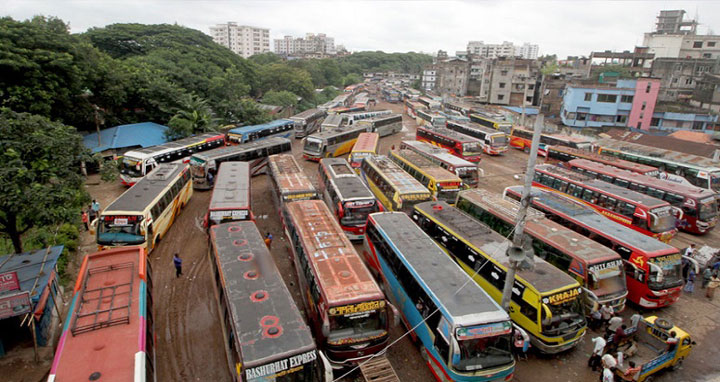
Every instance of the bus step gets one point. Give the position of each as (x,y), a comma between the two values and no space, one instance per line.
(379,369)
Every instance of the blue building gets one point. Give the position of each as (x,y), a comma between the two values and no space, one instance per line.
(119,139)
(672,117)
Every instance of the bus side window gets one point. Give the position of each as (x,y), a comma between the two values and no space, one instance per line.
(626,209)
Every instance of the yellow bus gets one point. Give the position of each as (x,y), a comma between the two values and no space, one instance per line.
(143,214)
(365,146)
(443,184)
(546,302)
(394,188)
(332,143)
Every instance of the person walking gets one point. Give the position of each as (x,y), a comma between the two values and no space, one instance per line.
(598,349)
(707,275)
(91,213)
(177,261)
(607,312)
(268,239)
(95,207)
(84,217)
(690,284)
(690,251)
(714,283)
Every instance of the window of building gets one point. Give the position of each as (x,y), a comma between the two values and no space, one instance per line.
(609,98)
(711,44)
(626,98)
(707,55)
(581,116)
(674,80)
(655,122)
(528,98)
(621,118)
(642,115)
(697,125)
(697,44)
(501,97)
(644,104)
(503,72)
(647,89)
(688,81)
(502,85)
(639,125)
(588,96)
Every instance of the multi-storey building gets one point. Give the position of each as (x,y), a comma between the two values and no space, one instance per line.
(506,49)
(310,44)
(677,38)
(241,39)
(513,82)
(429,78)
(452,77)
(680,76)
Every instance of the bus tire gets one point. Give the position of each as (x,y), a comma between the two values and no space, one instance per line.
(677,365)
(663,323)
(649,378)
(526,150)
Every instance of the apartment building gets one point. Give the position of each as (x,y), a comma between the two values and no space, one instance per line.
(310,44)
(452,77)
(242,39)
(676,37)
(680,76)
(506,49)
(429,77)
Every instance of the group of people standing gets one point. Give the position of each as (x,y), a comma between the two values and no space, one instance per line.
(710,275)
(615,336)
(92,212)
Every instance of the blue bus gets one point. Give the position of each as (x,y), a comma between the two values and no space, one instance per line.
(465,335)
(277,128)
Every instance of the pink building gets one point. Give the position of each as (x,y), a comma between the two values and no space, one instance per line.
(643,106)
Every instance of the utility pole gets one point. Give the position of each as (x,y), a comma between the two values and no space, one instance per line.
(516,252)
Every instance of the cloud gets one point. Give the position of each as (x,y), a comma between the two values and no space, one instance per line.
(560,27)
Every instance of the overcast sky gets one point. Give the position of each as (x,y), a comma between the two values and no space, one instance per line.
(560,27)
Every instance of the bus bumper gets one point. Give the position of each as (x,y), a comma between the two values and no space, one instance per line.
(659,299)
(554,349)
(310,157)
(354,233)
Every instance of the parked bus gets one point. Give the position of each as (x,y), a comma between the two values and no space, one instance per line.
(307,122)
(265,335)
(346,308)
(412,107)
(394,188)
(493,123)
(643,213)
(347,196)
(697,208)
(280,128)
(675,166)
(546,302)
(109,330)
(138,163)
(143,214)
(466,336)
(565,154)
(255,152)
(330,144)
(345,110)
(452,115)
(521,139)
(460,145)
(384,125)
(459,107)
(351,118)
(467,171)
(652,268)
(430,119)
(493,142)
(289,182)
(365,146)
(230,199)
(442,184)
(597,268)
(430,103)
(331,122)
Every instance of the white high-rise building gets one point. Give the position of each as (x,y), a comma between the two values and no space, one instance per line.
(506,49)
(311,43)
(242,39)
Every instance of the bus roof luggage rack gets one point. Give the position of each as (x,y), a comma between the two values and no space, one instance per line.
(107,305)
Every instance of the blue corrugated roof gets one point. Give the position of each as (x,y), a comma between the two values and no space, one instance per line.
(28,264)
(528,110)
(143,134)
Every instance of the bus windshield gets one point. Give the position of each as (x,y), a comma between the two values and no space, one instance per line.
(114,230)
(472,148)
(567,317)
(484,353)
(661,219)
(715,181)
(708,209)
(607,278)
(356,215)
(499,141)
(665,272)
(313,145)
(349,329)
(132,167)
(448,195)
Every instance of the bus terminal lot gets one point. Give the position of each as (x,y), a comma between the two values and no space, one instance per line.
(190,345)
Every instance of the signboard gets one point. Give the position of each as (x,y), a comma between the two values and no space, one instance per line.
(668,261)
(9,281)
(233,214)
(281,367)
(356,308)
(562,297)
(480,331)
(607,267)
(15,304)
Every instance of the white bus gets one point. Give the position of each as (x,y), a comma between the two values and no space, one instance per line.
(383,125)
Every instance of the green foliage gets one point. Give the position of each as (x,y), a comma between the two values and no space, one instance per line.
(109,168)
(39,177)
(417,84)
(193,116)
(280,98)
(360,62)
(327,94)
(281,76)
(351,78)
(549,68)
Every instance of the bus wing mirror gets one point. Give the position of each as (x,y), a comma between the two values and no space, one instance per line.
(395,314)
(325,327)
(93,226)
(548,315)
(327,368)
(455,350)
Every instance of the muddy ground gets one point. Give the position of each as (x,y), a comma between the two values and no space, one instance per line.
(189,341)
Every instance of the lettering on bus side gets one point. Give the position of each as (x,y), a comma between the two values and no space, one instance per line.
(281,367)
(356,308)
(562,297)
(600,268)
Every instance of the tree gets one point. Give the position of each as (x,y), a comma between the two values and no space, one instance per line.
(39,178)
(280,98)
(351,79)
(193,116)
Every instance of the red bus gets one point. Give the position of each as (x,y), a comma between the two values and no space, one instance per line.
(565,154)
(696,208)
(521,139)
(230,199)
(641,212)
(346,308)
(347,196)
(653,269)
(109,329)
(365,146)
(460,145)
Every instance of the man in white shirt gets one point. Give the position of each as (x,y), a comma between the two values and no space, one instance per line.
(598,349)
(607,375)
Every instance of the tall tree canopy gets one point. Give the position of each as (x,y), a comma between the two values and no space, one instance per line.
(39,178)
